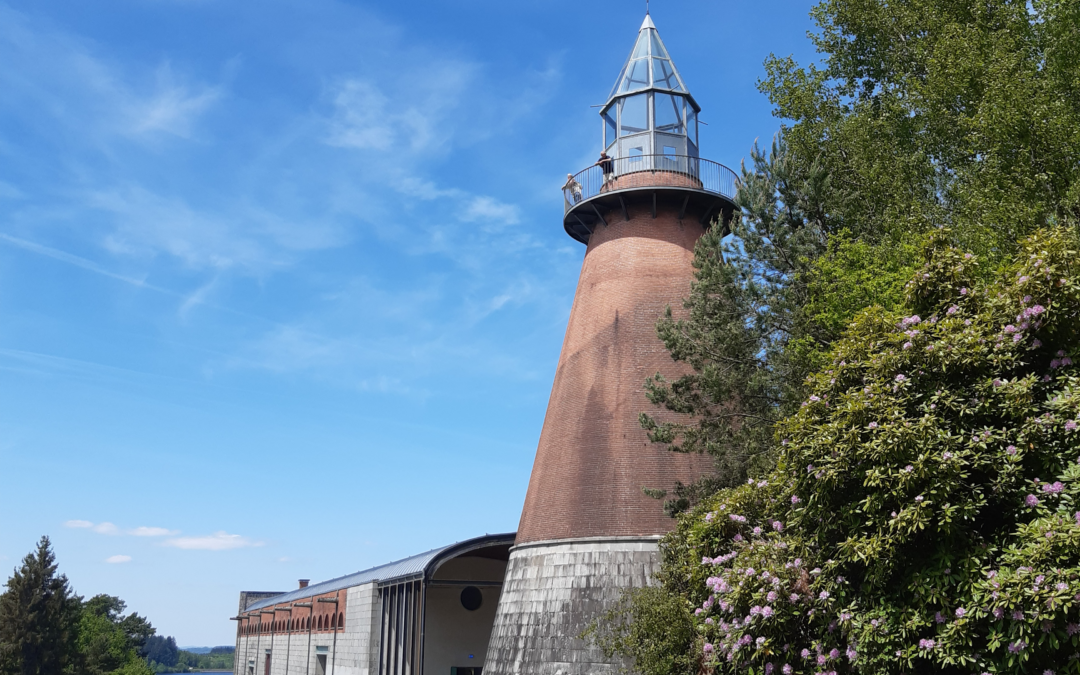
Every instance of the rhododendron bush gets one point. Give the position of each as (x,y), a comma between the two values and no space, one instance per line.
(924,515)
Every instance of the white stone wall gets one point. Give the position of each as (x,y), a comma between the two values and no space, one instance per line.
(353,651)
(552,591)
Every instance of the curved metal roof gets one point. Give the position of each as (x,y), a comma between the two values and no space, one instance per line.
(421,564)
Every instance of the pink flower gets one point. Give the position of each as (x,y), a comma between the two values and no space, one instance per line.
(960,612)
(952,310)
(795,499)
(963,291)
(1070,425)
(872,425)
(707,648)
(907,345)
(1032,501)
(1011,450)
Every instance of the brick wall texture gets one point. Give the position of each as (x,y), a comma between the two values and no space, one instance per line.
(593,458)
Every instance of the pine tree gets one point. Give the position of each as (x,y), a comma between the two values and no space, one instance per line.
(39,615)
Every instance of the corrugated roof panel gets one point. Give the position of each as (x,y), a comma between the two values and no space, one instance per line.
(400,569)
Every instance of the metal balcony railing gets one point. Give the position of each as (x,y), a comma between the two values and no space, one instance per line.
(656,171)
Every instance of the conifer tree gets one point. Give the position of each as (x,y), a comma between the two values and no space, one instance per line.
(39,614)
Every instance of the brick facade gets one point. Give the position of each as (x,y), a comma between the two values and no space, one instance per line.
(593,458)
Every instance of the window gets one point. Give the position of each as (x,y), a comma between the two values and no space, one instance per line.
(657,48)
(663,75)
(333,620)
(670,152)
(320,664)
(691,124)
(669,113)
(636,154)
(341,620)
(637,76)
(610,128)
(635,114)
(471,598)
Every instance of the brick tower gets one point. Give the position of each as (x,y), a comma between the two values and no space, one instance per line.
(587,530)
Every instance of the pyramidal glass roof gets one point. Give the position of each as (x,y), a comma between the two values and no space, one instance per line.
(648,66)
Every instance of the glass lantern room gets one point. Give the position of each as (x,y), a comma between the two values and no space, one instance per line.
(650,111)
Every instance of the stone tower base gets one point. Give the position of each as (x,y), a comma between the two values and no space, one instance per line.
(552,590)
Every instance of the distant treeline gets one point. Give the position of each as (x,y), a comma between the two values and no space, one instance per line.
(45,627)
(164,657)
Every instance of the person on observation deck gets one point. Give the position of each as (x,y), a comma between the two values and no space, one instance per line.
(572,189)
(606,164)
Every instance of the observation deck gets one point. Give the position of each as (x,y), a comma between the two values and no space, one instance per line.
(690,184)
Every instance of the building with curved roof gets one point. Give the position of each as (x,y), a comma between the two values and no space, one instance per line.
(430,612)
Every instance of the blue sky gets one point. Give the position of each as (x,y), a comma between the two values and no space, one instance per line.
(283,283)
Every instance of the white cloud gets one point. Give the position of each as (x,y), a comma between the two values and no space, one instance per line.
(115,559)
(152,532)
(172,108)
(219,541)
(492,213)
(100,528)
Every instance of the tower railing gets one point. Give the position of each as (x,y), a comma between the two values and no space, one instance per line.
(650,171)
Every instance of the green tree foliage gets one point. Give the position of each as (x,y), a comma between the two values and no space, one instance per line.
(160,650)
(939,111)
(110,642)
(38,618)
(924,514)
(765,305)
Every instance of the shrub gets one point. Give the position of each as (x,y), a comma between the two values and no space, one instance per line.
(923,515)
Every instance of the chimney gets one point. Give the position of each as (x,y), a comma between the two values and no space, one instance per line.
(304,583)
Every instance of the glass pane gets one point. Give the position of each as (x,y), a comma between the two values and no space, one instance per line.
(637,76)
(669,151)
(657,48)
(641,47)
(618,82)
(664,76)
(669,113)
(635,114)
(609,127)
(691,124)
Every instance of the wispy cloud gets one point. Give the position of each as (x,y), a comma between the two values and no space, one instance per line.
(112,530)
(117,559)
(152,532)
(100,528)
(173,107)
(219,541)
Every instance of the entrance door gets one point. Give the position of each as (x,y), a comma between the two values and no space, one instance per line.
(320,664)
(267,665)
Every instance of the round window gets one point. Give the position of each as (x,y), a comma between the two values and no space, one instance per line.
(471,598)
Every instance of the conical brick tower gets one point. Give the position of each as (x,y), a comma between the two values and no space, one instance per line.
(587,530)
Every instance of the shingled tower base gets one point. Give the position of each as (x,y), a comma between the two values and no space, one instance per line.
(588,531)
